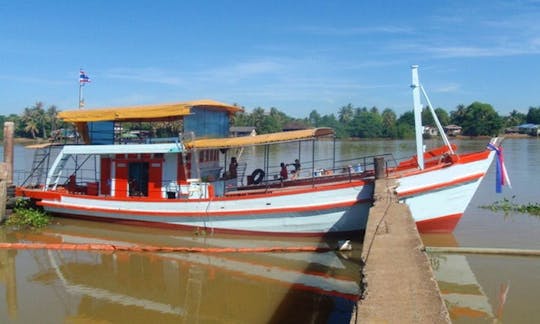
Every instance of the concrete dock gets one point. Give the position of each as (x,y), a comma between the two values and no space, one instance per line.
(398,283)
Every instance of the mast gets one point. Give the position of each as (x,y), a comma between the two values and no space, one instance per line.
(417,88)
(417,108)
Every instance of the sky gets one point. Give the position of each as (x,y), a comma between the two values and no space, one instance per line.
(297,56)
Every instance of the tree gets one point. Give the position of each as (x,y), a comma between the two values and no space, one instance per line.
(405,125)
(367,124)
(389,125)
(427,117)
(332,122)
(458,116)
(314,118)
(481,119)
(257,117)
(345,114)
(533,116)
(515,118)
(52,117)
(30,122)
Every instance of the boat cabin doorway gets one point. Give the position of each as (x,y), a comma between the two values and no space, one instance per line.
(138,179)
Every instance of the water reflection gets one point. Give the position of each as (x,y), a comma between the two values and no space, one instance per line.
(485,288)
(173,287)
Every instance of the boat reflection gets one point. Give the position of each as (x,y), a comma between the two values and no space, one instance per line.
(188,287)
(459,286)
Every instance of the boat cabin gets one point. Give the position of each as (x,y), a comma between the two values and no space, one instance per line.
(186,155)
(140,163)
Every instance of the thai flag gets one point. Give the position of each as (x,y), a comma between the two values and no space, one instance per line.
(83,78)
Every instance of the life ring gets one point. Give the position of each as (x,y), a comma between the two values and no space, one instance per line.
(257,176)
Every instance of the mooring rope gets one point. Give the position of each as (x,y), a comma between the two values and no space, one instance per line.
(150,248)
(471,250)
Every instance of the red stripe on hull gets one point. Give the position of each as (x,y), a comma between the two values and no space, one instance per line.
(445,224)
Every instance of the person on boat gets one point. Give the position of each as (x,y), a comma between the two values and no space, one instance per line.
(284,172)
(233,166)
(296,170)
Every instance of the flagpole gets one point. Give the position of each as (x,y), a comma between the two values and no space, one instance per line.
(80,95)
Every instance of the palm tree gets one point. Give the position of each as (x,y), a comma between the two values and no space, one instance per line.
(51,117)
(29,121)
(345,114)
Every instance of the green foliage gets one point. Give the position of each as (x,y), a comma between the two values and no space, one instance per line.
(506,205)
(366,124)
(481,119)
(533,116)
(442,115)
(27,216)
(389,124)
(36,121)
(515,118)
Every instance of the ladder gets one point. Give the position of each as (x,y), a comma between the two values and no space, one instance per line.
(39,167)
(57,169)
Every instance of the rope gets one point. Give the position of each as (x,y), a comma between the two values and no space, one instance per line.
(388,204)
(150,248)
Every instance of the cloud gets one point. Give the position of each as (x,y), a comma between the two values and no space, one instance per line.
(150,75)
(351,31)
(448,88)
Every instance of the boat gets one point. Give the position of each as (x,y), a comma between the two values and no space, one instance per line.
(185,181)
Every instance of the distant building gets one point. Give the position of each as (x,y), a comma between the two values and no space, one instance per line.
(530,129)
(511,130)
(452,130)
(236,131)
(294,125)
(430,131)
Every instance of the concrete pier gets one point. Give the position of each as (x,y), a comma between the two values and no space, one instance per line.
(398,283)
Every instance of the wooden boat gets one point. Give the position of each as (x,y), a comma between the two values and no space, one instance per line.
(185,182)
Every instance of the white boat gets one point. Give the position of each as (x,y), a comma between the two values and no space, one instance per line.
(185,181)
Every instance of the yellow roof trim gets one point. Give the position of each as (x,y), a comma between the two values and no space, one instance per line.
(208,143)
(142,113)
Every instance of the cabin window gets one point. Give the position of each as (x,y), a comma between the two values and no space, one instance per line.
(101,132)
(138,179)
(207,123)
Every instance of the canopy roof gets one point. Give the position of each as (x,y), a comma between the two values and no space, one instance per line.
(231,142)
(157,112)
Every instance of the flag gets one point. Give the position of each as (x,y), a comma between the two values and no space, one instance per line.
(83,78)
(501,175)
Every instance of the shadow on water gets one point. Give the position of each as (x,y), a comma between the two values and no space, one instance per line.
(140,287)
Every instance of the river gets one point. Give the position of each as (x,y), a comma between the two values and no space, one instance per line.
(139,287)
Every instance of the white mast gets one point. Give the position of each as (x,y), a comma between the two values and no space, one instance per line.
(416,86)
(417,108)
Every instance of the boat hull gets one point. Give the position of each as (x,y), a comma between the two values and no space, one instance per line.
(438,198)
(314,212)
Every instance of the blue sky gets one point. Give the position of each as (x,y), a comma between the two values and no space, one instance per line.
(296,56)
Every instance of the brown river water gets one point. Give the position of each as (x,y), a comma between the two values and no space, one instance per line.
(52,286)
